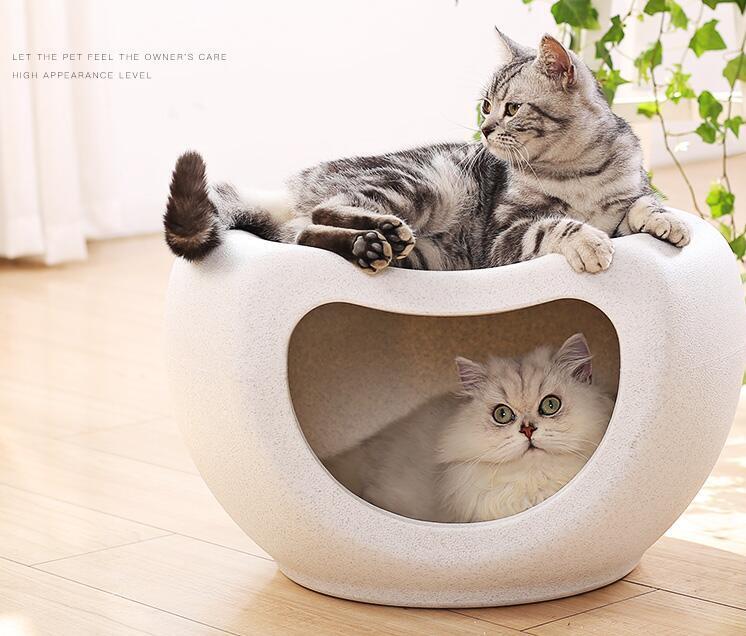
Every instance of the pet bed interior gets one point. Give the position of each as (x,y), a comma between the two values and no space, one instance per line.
(352,370)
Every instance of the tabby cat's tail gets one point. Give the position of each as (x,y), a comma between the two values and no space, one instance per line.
(193,224)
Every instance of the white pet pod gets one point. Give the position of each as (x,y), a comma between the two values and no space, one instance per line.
(269,341)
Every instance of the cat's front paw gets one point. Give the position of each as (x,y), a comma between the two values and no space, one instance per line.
(398,234)
(647,215)
(588,250)
(371,251)
(667,227)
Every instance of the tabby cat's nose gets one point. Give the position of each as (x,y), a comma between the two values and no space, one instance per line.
(527,430)
(487,129)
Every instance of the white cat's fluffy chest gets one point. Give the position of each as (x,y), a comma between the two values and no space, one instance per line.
(484,491)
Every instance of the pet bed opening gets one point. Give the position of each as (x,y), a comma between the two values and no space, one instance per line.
(352,370)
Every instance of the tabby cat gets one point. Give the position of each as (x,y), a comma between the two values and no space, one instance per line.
(556,172)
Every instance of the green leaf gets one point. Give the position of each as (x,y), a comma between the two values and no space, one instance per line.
(678,86)
(655,6)
(649,109)
(734,124)
(706,38)
(679,18)
(602,53)
(615,34)
(720,201)
(649,59)
(709,107)
(726,231)
(656,189)
(610,81)
(738,245)
(477,136)
(708,132)
(736,69)
(577,13)
(713,3)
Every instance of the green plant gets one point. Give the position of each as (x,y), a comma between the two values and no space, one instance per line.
(581,30)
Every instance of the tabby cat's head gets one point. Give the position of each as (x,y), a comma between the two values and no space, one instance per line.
(539,102)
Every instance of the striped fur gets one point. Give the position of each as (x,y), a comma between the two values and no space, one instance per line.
(555,172)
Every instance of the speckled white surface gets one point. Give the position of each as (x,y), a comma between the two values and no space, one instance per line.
(680,320)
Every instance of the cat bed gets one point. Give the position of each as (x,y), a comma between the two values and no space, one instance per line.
(281,354)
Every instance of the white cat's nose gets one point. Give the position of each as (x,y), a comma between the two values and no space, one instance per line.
(527,429)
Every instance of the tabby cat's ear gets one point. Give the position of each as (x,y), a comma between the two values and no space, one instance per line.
(574,357)
(555,61)
(509,49)
(472,374)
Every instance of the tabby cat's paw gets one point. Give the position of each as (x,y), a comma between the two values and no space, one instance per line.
(667,227)
(371,251)
(398,234)
(588,250)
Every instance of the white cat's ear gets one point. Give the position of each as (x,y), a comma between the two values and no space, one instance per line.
(555,61)
(574,357)
(509,49)
(471,374)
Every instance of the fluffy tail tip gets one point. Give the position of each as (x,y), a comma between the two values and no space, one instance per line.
(191,223)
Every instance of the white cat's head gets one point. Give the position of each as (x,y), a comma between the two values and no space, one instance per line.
(543,402)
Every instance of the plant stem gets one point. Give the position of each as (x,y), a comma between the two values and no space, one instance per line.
(682,134)
(724,176)
(662,121)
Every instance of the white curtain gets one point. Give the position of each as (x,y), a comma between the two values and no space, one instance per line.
(55,181)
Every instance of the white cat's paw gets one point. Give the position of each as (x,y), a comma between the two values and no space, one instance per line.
(667,227)
(588,250)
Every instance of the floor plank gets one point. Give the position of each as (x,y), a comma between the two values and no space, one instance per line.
(157,442)
(166,499)
(694,569)
(34,528)
(525,616)
(658,613)
(243,594)
(36,603)
(41,409)
(139,387)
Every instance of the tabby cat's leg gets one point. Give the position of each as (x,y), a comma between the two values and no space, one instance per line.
(395,231)
(585,247)
(368,249)
(646,215)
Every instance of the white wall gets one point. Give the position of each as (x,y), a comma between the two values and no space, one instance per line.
(304,81)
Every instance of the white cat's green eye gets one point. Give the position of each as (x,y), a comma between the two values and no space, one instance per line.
(486,107)
(511,108)
(503,414)
(550,405)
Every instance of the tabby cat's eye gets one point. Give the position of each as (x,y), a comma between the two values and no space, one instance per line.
(503,414)
(511,108)
(486,107)
(550,405)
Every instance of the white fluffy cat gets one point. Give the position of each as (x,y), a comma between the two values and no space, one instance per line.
(519,430)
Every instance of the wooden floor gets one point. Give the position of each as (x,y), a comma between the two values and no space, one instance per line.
(106,528)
